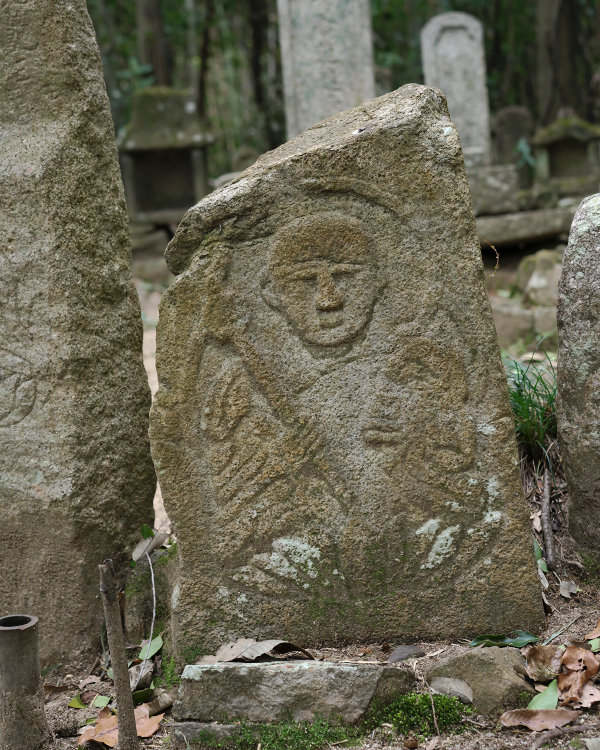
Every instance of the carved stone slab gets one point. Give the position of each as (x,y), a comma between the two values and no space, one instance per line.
(578,405)
(76,477)
(332,431)
(454,61)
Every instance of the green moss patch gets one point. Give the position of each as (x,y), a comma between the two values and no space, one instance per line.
(411,713)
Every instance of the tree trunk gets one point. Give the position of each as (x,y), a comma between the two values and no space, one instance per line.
(152,46)
(209,10)
(563,64)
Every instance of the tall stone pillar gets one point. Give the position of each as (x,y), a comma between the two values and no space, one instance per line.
(327,58)
(454,61)
(76,478)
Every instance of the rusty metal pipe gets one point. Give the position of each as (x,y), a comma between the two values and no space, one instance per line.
(23,723)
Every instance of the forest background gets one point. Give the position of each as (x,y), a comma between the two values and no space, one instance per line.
(543,54)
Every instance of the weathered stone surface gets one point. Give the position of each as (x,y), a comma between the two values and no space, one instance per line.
(493,674)
(276,691)
(326,57)
(332,431)
(525,225)
(76,479)
(453,61)
(578,406)
(512,321)
(452,687)
(401,653)
(538,277)
(544,319)
(494,189)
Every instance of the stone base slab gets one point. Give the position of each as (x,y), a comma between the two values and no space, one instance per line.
(524,226)
(302,690)
(186,734)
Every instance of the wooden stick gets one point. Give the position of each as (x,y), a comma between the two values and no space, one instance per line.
(128,739)
(435,724)
(559,732)
(547,523)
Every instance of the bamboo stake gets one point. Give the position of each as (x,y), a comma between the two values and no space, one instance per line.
(547,523)
(116,643)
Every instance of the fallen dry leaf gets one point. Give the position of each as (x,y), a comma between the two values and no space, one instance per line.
(542,662)
(537,521)
(54,689)
(575,658)
(537,720)
(595,633)
(88,681)
(247,649)
(570,686)
(164,700)
(145,724)
(567,588)
(589,695)
(106,730)
(432,743)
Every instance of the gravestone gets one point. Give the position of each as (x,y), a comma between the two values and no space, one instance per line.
(578,405)
(332,431)
(512,125)
(326,57)
(454,61)
(76,478)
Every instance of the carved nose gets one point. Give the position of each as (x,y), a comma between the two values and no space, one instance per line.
(329,296)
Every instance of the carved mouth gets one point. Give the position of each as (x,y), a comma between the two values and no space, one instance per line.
(330,319)
(380,435)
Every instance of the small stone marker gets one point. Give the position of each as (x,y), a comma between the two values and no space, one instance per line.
(511,125)
(76,478)
(578,405)
(332,430)
(454,61)
(327,58)
(492,674)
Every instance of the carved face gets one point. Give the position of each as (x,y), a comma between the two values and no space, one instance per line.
(419,410)
(323,270)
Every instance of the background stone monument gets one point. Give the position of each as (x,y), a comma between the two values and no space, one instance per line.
(578,406)
(453,61)
(332,430)
(76,479)
(327,58)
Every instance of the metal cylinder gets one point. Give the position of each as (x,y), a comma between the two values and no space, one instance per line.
(23,723)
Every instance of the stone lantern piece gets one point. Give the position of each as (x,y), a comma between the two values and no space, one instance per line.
(163,156)
(567,156)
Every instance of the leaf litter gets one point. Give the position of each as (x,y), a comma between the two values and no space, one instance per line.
(106,730)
